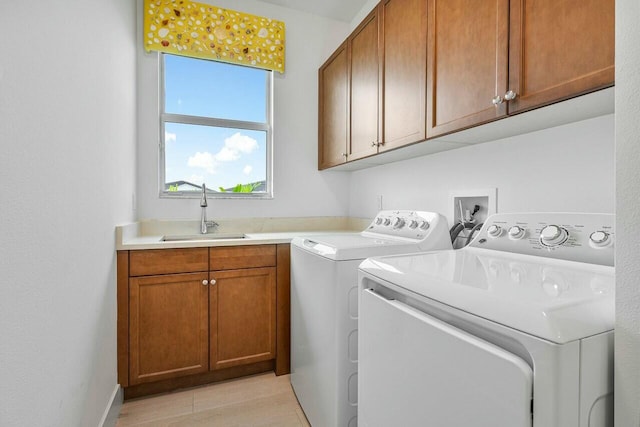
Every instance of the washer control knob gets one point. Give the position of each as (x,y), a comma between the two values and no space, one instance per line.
(516,233)
(494,231)
(387,221)
(424,225)
(553,235)
(378,221)
(599,239)
(398,223)
(413,224)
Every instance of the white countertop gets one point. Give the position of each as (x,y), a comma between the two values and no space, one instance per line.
(257,231)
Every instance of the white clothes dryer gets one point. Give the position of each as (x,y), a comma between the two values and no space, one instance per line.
(514,330)
(324,307)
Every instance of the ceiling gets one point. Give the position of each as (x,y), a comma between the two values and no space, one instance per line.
(341,10)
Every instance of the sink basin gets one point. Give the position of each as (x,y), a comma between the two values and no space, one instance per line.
(212,236)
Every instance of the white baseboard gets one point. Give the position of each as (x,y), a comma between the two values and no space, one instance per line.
(112,411)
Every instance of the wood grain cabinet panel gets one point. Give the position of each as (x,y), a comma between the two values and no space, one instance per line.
(236,257)
(405,71)
(559,49)
(166,261)
(168,326)
(467,63)
(333,109)
(365,88)
(242,316)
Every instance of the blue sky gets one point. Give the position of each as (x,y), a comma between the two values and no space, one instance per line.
(219,157)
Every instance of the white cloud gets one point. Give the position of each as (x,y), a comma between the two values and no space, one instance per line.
(236,145)
(247,169)
(169,137)
(227,155)
(240,142)
(204,160)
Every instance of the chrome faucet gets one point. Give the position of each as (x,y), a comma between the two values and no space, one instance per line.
(204,224)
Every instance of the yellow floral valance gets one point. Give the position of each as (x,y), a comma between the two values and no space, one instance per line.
(200,30)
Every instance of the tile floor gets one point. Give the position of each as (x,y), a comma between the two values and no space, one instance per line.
(258,400)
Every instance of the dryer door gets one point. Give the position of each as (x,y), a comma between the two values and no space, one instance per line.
(415,370)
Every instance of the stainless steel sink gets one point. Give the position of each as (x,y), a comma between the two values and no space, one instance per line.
(212,236)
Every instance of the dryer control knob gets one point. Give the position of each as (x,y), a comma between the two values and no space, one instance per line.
(494,231)
(413,224)
(387,221)
(553,235)
(424,225)
(398,223)
(599,239)
(378,221)
(516,233)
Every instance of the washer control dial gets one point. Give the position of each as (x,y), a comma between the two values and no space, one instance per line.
(494,231)
(553,235)
(413,224)
(387,221)
(378,221)
(516,233)
(599,239)
(424,225)
(398,223)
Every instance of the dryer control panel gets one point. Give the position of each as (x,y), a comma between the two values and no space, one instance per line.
(577,237)
(415,225)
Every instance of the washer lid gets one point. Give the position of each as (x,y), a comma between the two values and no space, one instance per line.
(348,246)
(559,301)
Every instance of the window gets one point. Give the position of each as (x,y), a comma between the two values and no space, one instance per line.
(215,129)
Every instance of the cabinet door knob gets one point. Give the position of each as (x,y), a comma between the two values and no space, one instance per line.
(205,282)
(344,155)
(511,95)
(497,100)
(374,144)
(212,282)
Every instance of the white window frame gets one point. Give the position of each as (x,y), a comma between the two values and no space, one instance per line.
(267,127)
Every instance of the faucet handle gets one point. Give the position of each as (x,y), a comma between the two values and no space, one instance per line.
(211,224)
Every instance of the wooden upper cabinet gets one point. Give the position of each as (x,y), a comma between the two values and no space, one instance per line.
(168,326)
(559,49)
(405,70)
(467,63)
(333,109)
(364,87)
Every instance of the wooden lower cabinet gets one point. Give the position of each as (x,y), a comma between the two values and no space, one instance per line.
(179,329)
(168,326)
(242,316)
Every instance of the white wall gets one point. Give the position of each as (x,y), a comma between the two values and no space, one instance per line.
(567,168)
(67,126)
(627,350)
(299,189)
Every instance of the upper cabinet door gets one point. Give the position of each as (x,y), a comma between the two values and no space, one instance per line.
(559,49)
(365,83)
(467,63)
(405,69)
(333,110)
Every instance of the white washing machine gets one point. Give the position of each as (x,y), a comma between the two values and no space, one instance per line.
(514,330)
(324,307)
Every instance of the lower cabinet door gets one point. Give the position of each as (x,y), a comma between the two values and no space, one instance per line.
(168,326)
(242,316)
